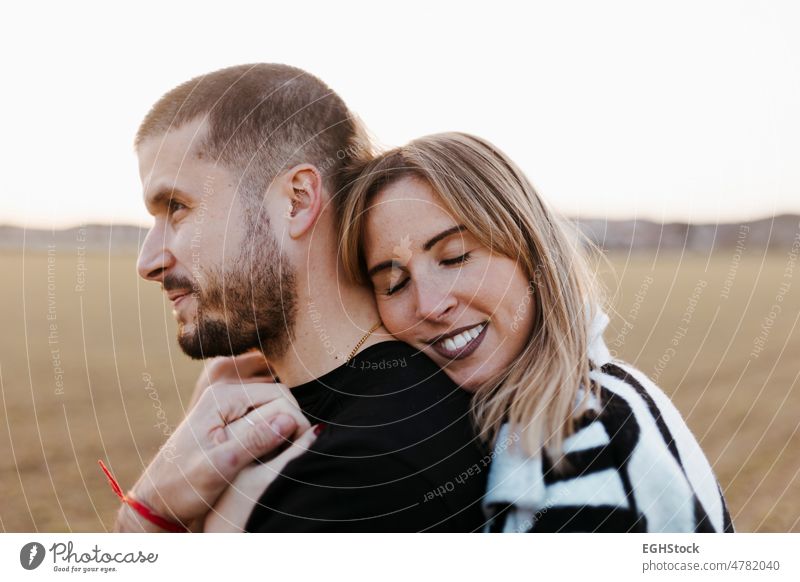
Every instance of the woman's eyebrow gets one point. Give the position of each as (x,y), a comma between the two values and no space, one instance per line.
(426,247)
(442,235)
(384,265)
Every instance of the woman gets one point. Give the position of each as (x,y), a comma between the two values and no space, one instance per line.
(470,267)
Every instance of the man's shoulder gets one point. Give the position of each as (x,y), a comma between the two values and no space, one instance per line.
(402,431)
(396,383)
(392,361)
(408,411)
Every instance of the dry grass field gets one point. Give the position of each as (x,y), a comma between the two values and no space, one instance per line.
(89,368)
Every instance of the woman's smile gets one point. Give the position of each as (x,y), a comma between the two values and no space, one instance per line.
(460,343)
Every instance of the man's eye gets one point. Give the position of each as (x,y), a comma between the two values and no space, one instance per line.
(456,260)
(397,287)
(175,206)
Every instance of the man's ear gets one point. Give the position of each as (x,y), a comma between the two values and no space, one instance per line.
(305,197)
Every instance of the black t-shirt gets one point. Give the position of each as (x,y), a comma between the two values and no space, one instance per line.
(398,452)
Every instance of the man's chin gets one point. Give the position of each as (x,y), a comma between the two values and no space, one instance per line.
(212,337)
(211,341)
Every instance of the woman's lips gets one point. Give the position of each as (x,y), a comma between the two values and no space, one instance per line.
(453,352)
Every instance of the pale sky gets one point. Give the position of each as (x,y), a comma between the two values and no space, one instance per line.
(667,111)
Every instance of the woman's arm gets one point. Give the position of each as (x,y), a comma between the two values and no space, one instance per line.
(229,426)
(234,507)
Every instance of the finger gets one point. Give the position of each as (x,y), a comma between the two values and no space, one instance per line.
(298,447)
(262,438)
(240,428)
(258,380)
(251,364)
(231,401)
(238,367)
(204,380)
(200,387)
(263,474)
(215,370)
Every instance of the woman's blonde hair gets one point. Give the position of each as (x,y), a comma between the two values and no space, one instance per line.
(539,394)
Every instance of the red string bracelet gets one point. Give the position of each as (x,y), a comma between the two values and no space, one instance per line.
(141,508)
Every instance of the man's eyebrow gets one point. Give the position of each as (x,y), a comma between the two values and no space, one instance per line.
(163,196)
(442,235)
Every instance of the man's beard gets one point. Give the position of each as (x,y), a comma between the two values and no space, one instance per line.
(247,304)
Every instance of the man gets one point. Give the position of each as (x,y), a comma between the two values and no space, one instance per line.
(243,170)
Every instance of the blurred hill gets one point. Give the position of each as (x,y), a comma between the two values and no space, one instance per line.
(613,235)
(117,238)
(638,235)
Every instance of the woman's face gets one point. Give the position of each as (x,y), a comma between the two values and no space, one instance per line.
(440,290)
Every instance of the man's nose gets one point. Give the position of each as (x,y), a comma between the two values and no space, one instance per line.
(434,301)
(155,259)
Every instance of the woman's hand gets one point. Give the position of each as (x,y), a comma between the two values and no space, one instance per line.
(230,427)
(248,368)
(234,507)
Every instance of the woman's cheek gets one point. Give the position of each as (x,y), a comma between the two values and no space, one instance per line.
(388,314)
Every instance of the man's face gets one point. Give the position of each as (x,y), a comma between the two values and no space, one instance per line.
(213,252)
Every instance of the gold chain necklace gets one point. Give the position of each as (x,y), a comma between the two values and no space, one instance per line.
(361,341)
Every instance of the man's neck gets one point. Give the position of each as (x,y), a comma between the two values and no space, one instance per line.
(328,327)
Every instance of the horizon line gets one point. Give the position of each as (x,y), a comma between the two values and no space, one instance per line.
(71,226)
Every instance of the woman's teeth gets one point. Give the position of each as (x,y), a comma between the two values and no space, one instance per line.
(459,341)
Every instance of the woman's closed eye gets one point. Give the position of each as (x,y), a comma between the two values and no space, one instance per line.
(397,286)
(457,260)
(390,281)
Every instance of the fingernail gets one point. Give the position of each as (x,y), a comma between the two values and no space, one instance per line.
(281,424)
(319,427)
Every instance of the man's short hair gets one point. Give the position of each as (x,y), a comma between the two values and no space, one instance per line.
(264,119)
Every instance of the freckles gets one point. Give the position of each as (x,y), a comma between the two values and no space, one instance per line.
(502,287)
(373,243)
(396,318)
(393,317)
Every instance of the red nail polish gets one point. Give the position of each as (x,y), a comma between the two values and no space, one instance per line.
(319,427)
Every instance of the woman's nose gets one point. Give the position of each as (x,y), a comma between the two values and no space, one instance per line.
(434,300)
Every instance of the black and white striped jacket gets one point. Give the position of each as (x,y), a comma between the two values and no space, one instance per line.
(634,466)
